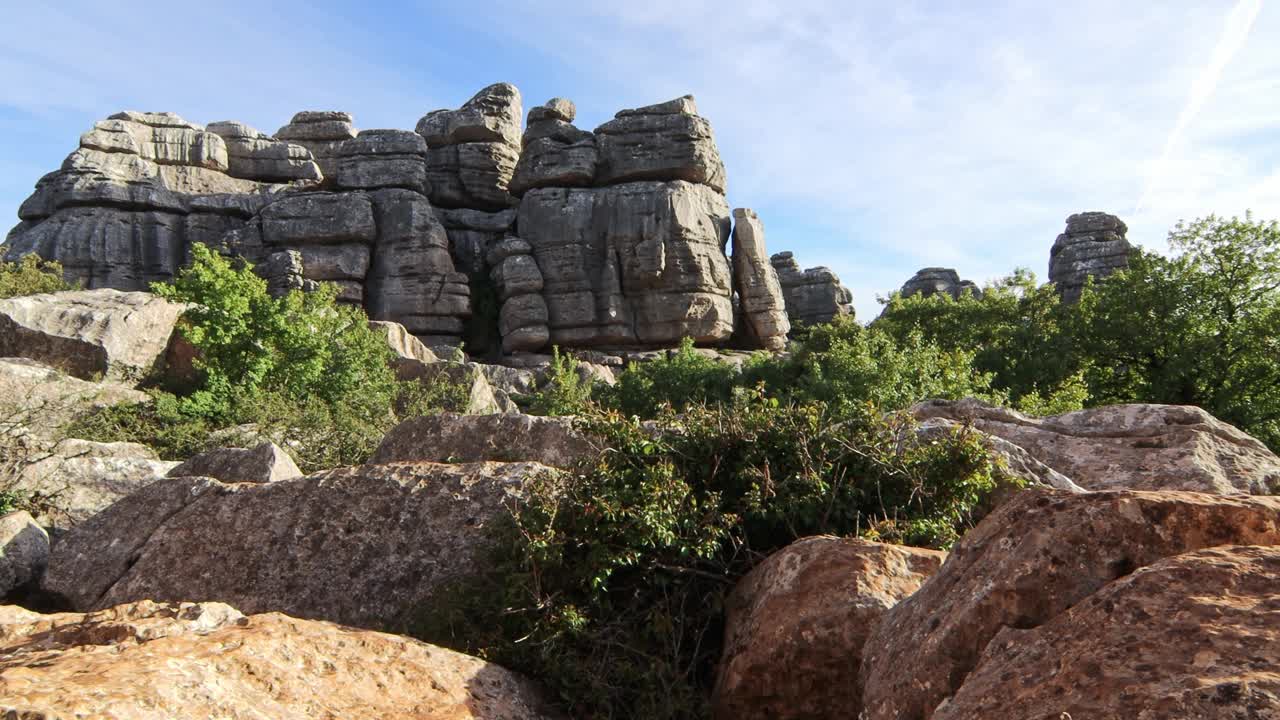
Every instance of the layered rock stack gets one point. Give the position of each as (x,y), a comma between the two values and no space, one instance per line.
(523,319)
(814,295)
(1093,245)
(252,155)
(321,132)
(762,308)
(932,281)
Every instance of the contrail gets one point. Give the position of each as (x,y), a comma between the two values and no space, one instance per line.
(1234,34)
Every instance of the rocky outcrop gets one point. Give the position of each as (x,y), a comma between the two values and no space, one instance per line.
(24,552)
(762,309)
(1135,447)
(367,546)
(1191,636)
(1033,559)
(932,281)
(149,661)
(472,233)
(90,333)
(38,400)
(263,463)
(1093,245)
(72,480)
(554,152)
(523,318)
(796,625)
(322,133)
(449,437)
(813,296)
(667,141)
(473,150)
(252,155)
(377,159)
(404,346)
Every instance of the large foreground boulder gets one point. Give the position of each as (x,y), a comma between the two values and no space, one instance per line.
(367,546)
(1038,555)
(154,661)
(265,462)
(1138,447)
(796,625)
(450,437)
(24,551)
(38,400)
(1191,636)
(90,333)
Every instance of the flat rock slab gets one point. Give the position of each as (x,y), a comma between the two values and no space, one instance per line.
(266,462)
(450,437)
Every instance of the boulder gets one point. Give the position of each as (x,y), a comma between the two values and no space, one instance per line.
(453,438)
(796,624)
(472,175)
(1190,636)
(383,159)
(321,132)
(253,155)
(813,296)
(633,264)
(932,281)
(1137,447)
(319,218)
(554,109)
(1093,245)
(24,552)
(762,307)
(368,546)
(149,661)
(402,344)
(547,163)
(72,480)
(668,141)
(491,115)
(38,400)
(90,333)
(1039,554)
(263,463)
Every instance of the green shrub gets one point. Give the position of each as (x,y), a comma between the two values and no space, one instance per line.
(684,377)
(565,391)
(612,582)
(31,276)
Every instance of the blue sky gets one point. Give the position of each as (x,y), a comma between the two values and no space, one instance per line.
(872,137)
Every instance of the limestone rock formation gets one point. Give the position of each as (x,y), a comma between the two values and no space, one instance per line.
(449,437)
(24,551)
(90,333)
(667,141)
(523,318)
(321,132)
(151,661)
(1129,447)
(253,155)
(932,281)
(473,150)
(37,400)
(472,233)
(404,345)
(1035,557)
(383,159)
(264,463)
(1093,245)
(366,546)
(761,305)
(555,153)
(1191,636)
(796,625)
(813,296)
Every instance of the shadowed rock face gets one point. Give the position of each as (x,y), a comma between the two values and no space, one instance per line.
(1093,245)
(149,661)
(814,295)
(938,281)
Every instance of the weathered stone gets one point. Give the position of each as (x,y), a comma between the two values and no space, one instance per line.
(322,134)
(1037,555)
(814,296)
(1129,447)
(163,138)
(669,141)
(796,624)
(319,218)
(367,546)
(151,661)
(557,131)
(90,333)
(472,175)
(261,464)
(481,397)
(253,155)
(638,263)
(38,400)
(522,311)
(492,115)
(517,275)
(1093,245)
(383,159)
(554,109)
(402,343)
(24,551)
(760,301)
(472,233)
(72,479)
(1191,636)
(449,437)
(547,163)
(530,338)
(932,281)
(1018,462)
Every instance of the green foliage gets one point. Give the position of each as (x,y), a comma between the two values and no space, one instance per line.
(684,377)
(615,580)
(31,276)
(565,391)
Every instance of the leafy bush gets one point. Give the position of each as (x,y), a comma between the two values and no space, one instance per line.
(613,581)
(565,391)
(31,276)
(684,377)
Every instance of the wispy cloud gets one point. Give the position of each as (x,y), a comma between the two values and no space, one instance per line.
(1235,33)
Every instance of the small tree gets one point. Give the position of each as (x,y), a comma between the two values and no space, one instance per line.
(31,276)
